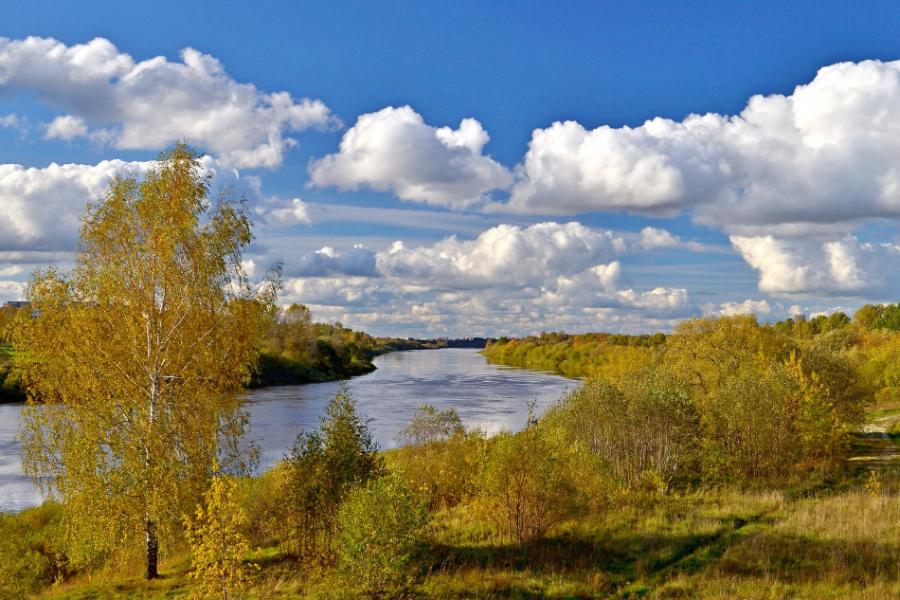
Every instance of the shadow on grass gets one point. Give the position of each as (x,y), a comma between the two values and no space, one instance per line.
(629,565)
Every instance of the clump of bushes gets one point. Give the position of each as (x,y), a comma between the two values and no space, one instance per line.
(32,551)
(380,530)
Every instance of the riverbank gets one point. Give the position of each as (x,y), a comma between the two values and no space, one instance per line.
(485,396)
(10,384)
(271,369)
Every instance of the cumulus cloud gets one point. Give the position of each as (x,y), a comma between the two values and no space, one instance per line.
(844,267)
(760,308)
(602,286)
(505,255)
(508,278)
(40,208)
(393,149)
(290,213)
(652,238)
(339,292)
(12,290)
(66,127)
(817,160)
(109,97)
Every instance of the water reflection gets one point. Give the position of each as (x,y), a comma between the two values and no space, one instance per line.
(16,490)
(486,396)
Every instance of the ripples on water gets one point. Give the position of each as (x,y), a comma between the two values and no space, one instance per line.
(487,396)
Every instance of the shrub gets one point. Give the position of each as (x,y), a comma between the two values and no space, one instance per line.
(31,551)
(380,527)
(322,468)
(218,542)
(441,461)
(528,490)
(645,429)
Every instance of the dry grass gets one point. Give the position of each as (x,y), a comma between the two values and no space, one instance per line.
(844,546)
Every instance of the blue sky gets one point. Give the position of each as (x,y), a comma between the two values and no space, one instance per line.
(472,168)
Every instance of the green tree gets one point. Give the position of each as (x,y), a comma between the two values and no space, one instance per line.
(889,318)
(440,459)
(292,334)
(709,351)
(867,315)
(135,363)
(322,468)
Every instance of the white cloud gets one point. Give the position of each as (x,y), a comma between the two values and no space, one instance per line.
(40,208)
(66,127)
(149,104)
(393,149)
(10,270)
(760,308)
(507,279)
(569,170)
(844,267)
(505,255)
(819,160)
(293,213)
(651,238)
(11,120)
(12,290)
(602,286)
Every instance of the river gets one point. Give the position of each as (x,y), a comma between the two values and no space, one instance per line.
(487,396)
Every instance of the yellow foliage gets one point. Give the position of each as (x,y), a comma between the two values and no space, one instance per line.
(873,486)
(218,543)
(137,357)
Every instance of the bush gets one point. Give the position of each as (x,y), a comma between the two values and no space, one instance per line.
(380,527)
(31,551)
(645,429)
(441,461)
(322,468)
(218,543)
(528,488)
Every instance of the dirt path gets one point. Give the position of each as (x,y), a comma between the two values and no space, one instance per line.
(873,446)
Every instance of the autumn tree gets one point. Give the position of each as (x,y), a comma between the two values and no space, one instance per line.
(218,543)
(137,356)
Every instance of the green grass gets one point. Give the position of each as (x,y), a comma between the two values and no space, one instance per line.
(880,414)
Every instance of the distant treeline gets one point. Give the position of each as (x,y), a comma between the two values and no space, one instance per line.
(296,350)
(608,354)
(574,355)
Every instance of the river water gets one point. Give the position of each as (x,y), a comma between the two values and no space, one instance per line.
(487,396)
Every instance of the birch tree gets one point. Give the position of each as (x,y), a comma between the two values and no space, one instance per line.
(136,359)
